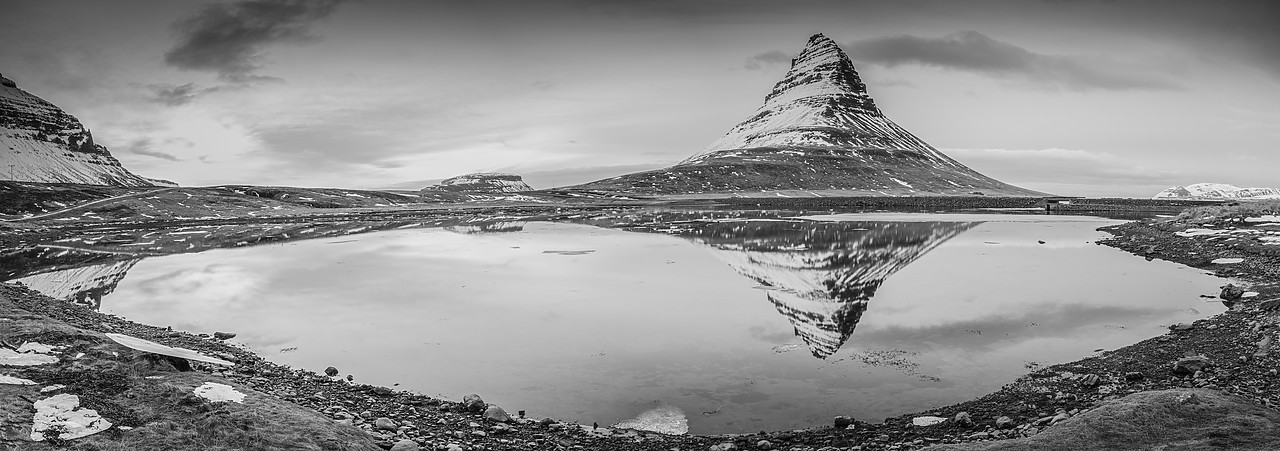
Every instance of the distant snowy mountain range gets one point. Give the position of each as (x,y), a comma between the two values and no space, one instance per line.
(1217,191)
(40,142)
(817,130)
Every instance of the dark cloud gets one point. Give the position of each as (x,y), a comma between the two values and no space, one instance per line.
(143,147)
(229,39)
(177,95)
(766,59)
(975,52)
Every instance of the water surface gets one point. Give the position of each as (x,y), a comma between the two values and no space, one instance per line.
(742,325)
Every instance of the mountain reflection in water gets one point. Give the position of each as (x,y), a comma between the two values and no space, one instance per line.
(820,275)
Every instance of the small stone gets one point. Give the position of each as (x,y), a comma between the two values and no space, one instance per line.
(726,446)
(331,371)
(453,447)
(1089,380)
(1058,418)
(405,445)
(1182,326)
(382,391)
(224,335)
(842,422)
(979,436)
(1133,376)
(1231,293)
(1030,432)
(497,415)
(964,419)
(1004,422)
(473,403)
(385,424)
(479,434)
(1188,398)
(1190,365)
(764,444)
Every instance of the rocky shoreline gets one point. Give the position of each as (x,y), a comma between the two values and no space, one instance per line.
(1226,362)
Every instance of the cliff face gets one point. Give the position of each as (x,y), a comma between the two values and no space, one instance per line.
(40,142)
(817,130)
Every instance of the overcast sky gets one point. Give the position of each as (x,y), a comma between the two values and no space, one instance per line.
(1072,97)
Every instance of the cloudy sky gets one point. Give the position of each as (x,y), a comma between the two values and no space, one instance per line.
(1121,97)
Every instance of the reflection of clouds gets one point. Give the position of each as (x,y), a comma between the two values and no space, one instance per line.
(1041,320)
(220,284)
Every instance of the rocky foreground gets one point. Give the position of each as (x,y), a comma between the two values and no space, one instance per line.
(1206,385)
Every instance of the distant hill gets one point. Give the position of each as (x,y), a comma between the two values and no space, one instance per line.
(817,130)
(482,182)
(1217,191)
(40,142)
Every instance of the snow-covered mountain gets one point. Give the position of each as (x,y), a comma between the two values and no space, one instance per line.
(482,182)
(1217,191)
(84,285)
(820,275)
(817,130)
(41,143)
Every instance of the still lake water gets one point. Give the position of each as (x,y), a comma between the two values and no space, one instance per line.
(742,325)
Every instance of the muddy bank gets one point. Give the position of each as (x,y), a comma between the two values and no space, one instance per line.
(1231,365)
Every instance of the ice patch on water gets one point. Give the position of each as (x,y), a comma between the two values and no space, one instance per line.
(662,419)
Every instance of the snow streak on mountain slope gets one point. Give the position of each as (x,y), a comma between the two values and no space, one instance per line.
(817,130)
(1217,191)
(41,143)
(821,275)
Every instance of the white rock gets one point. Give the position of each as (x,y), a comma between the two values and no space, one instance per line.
(216,392)
(63,412)
(927,420)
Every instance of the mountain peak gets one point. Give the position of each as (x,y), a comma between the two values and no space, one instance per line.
(822,69)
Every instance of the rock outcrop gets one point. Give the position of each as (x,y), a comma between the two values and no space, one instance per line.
(817,130)
(40,142)
(482,182)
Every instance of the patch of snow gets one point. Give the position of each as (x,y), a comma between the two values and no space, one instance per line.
(63,413)
(927,420)
(36,347)
(664,419)
(216,392)
(10,380)
(157,348)
(13,358)
(1227,261)
(1264,218)
(53,387)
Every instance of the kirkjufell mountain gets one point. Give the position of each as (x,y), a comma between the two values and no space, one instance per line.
(817,130)
(40,142)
